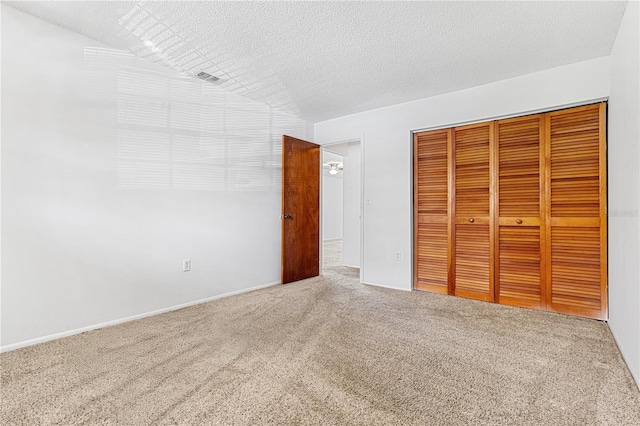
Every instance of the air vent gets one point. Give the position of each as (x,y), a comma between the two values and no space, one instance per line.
(208,77)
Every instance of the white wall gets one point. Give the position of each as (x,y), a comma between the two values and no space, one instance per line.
(113,171)
(624,190)
(332,200)
(387,143)
(352,206)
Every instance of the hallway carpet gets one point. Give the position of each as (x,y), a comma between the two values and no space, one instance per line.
(327,351)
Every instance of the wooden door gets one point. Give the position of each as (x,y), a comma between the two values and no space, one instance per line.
(300,209)
(431,210)
(472,263)
(576,214)
(520,267)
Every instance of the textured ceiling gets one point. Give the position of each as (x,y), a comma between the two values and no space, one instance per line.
(320,60)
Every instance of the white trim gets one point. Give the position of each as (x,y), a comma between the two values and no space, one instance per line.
(362,198)
(516,114)
(412,176)
(331,239)
(387,286)
(43,339)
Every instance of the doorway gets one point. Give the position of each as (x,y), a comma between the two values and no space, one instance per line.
(341,200)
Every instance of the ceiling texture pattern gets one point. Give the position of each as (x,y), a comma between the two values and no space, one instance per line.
(321,60)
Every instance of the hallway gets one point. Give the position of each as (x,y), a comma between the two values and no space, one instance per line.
(332,260)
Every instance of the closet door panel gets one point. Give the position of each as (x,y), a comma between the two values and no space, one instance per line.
(575,162)
(575,272)
(473,228)
(432,173)
(519,166)
(431,200)
(577,211)
(472,172)
(520,238)
(432,257)
(473,270)
(519,261)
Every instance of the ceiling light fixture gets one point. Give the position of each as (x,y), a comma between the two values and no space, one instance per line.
(334,167)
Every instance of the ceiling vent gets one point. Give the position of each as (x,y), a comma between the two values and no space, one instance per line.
(210,78)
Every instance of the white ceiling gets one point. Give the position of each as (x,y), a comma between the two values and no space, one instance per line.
(321,60)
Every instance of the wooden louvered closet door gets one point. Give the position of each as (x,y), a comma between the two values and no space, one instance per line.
(431,151)
(520,168)
(514,211)
(576,212)
(472,225)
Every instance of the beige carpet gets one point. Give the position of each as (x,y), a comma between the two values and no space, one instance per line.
(327,351)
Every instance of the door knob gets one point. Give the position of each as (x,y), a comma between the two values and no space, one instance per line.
(286,217)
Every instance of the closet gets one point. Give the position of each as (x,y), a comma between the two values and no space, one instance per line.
(513,211)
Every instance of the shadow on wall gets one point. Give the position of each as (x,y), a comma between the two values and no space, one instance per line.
(176,132)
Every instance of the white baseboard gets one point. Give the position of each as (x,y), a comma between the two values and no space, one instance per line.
(43,339)
(387,286)
(331,240)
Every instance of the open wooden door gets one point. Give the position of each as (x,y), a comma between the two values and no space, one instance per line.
(300,209)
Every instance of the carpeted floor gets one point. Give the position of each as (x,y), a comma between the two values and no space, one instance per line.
(327,351)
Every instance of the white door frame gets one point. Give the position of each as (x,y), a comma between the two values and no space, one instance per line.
(359,140)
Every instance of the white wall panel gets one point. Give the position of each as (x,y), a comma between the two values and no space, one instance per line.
(624,190)
(114,170)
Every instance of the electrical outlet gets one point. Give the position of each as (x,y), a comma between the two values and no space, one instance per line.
(186,265)
(398,255)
